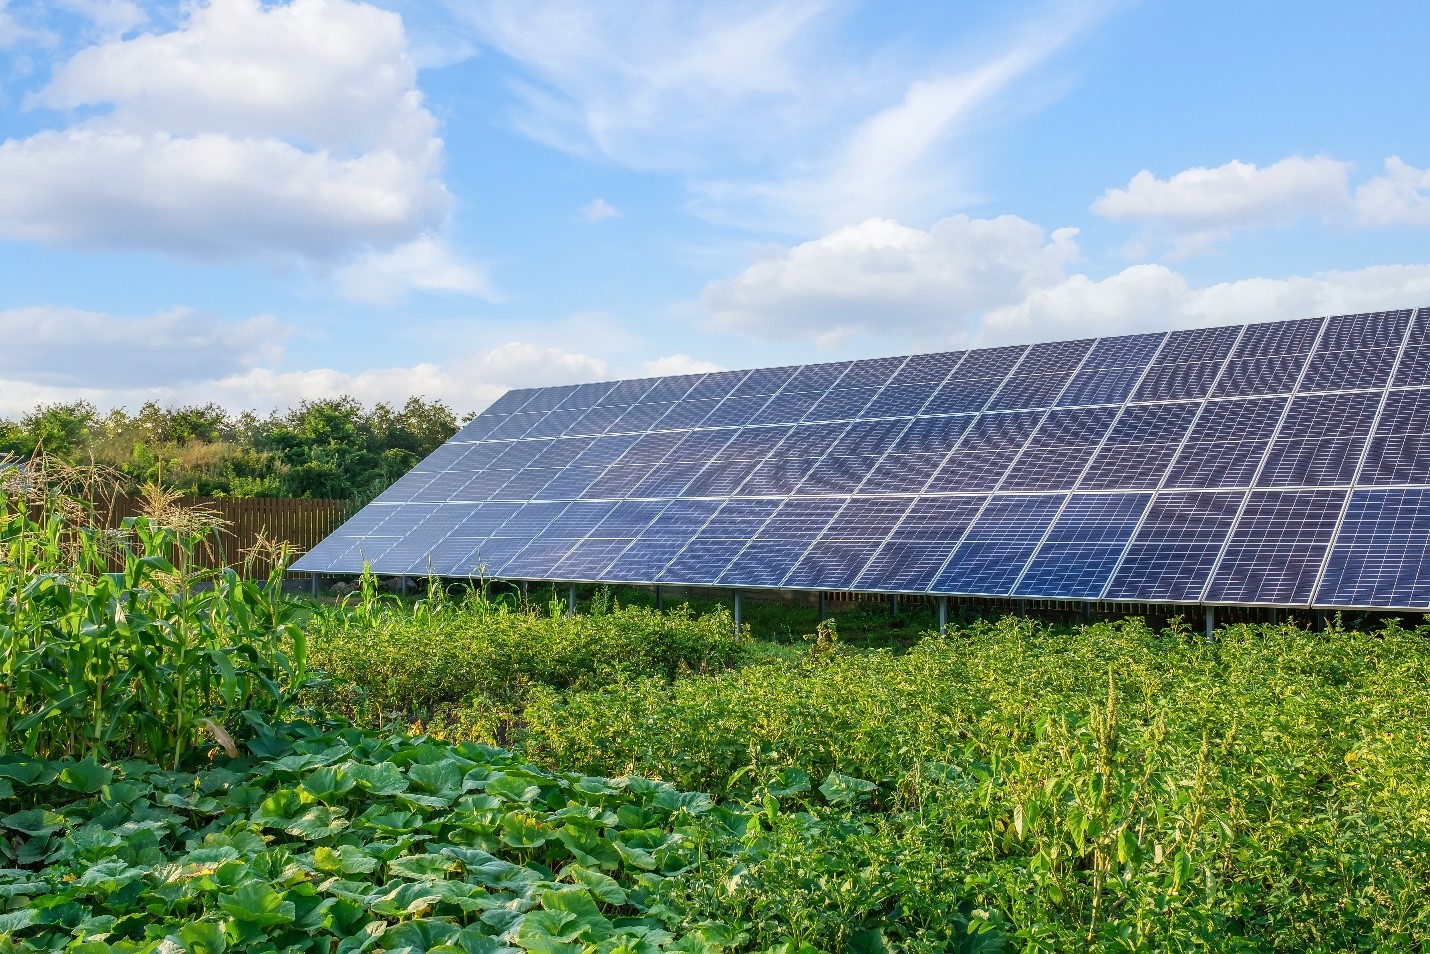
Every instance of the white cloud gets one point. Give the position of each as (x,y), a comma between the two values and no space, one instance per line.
(14,33)
(679,364)
(467,382)
(779,112)
(1197,208)
(881,278)
(427,264)
(1399,197)
(63,347)
(288,129)
(110,16)
(598,210)
(1154,297)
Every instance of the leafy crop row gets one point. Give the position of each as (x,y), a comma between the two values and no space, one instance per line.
(482,656)
(112,646)
(339,843)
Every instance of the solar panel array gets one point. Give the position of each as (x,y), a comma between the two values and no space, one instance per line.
(1285,463)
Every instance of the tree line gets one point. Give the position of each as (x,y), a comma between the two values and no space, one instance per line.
(336,448)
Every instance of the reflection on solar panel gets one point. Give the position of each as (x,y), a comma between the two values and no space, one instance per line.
(1285,463)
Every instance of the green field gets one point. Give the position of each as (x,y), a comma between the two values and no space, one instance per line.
(468,773)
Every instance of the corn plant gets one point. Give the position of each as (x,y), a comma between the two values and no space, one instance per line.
(113,645)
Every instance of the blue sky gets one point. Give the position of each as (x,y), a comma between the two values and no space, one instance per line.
(257,203)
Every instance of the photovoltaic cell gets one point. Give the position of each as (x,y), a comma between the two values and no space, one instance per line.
(1173,552)
(1083,546)
(998,545)
(1276,550)
(1380,557)
(951,473)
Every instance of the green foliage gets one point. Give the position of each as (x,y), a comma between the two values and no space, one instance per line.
(112,646)
(340,841)
(332,448)
(1111,787)
(430,663)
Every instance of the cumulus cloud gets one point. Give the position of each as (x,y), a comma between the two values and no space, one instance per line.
(466,381)
(293,129)
(1401,196)
(1197,208)
(63,347)
(598,210)
(679,364)
(1154,298)
(427,264)
(882,278)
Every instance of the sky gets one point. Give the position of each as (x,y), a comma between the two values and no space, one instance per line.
(259,203)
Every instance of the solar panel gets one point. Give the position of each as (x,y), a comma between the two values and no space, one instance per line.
(1284,463)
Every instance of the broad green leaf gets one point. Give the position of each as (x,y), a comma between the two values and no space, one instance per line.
(513,788)
(379,780)
(418,936)
(788,782)
(843,789)
(344,859)
(521,831)
(328,784)
(201,937)
(696,803)
(257,903)
(34,821)
(602,886)
(87,777)
(422,867)
(439,780)
(17,920)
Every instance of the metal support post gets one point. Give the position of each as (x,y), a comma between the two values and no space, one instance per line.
(1087,612)
(1211,622)
(404,584)
(1273,616)
(313,583)
(894,604)
(819,599)
(1023,608)
(659,600)
(942,615)
(738,607)
(523,590)
(571,600)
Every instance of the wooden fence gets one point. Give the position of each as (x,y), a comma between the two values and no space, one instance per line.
(247,524)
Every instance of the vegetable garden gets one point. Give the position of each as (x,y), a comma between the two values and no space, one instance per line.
(191,762)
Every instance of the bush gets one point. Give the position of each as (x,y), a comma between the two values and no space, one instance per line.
(386,662)
(1111,787)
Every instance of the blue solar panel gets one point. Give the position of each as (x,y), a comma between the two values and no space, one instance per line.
(1029,391)
(1349,370)
(1082,546)
(949,473)
(1274,374)
(1123,352)
(1380,557)
(961,395)
(1276,338)
(1176,547)
(1101,386)
(998,545)
(1414,368)
(1276,550)
(841,404)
